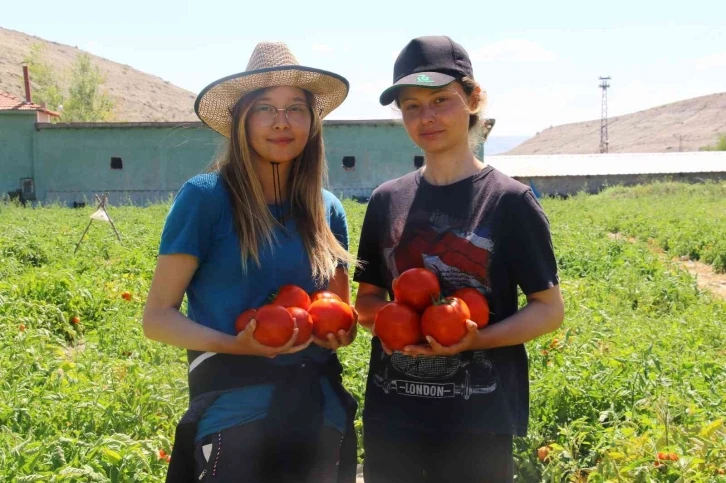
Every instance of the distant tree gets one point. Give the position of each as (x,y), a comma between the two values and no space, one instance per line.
(47,89)
(84,101)
(719,146)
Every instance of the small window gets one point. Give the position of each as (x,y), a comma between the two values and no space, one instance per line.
(349,163)
(117,163)
(418,161)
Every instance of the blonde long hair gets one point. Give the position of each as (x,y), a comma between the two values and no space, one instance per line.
(254,223)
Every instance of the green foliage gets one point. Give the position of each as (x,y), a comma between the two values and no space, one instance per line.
(86,101)
(719,146)
(636,369)
(47,83)
(83,101)
(684,220)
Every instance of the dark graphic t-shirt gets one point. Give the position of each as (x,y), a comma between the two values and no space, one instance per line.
(487,232)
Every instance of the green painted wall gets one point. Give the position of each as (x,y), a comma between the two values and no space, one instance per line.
(382,151)
(17,129)
(72,163)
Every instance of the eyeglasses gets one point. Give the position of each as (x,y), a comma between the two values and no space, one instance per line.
(295,114)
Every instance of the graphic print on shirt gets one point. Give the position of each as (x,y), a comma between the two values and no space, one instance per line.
(460,258)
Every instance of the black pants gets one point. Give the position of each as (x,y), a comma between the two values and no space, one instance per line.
(235,455)
(395,455)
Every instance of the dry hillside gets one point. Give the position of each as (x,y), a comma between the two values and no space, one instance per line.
(693,123)
(137,96)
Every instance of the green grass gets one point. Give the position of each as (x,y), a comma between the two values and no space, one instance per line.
(637,368)
(685,220)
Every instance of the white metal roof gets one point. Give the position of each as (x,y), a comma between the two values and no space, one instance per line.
(610,164)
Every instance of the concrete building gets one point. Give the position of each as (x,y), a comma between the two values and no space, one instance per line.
(148,162)
(567,174)
(17,125)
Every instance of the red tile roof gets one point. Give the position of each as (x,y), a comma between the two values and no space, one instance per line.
(8,102)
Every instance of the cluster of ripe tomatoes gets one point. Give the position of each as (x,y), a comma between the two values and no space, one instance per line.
(319,313)
(419,310)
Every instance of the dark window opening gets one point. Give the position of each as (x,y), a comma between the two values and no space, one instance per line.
(349,163)
(117,163)
(418,161)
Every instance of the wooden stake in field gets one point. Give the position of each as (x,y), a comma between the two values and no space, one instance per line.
(101,215)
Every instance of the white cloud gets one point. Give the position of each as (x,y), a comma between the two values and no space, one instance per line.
(711,61)
(512,50)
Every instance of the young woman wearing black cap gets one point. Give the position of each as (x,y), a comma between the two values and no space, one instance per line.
(448,413)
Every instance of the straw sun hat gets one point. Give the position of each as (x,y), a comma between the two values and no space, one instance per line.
(271,64)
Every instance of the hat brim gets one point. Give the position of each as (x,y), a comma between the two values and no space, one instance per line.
(214,104)
(431,80)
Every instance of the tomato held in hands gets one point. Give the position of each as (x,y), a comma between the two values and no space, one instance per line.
(303,322)
(243,319)
(445,321)
(292,296)
(398,325)
(274,325)
(330,316)
(477,304)
(323,294)
(417,288)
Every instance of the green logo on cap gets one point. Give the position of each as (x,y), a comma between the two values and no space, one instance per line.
(424,79)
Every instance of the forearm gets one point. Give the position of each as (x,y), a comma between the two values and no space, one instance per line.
(367,306)
(534,320)
(171,327)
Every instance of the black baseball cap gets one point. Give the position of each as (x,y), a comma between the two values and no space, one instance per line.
(432,61)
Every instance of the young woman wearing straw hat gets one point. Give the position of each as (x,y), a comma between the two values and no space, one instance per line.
(257,220)
(448,413)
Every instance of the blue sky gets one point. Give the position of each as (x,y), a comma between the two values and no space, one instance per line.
(538,61)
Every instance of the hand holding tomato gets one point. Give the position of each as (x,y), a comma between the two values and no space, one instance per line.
(342,339)
(397,325)
(434,348)
(246,344)
(335,323)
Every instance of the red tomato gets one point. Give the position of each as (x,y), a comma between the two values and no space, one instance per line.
(477,304)
(243,319)
(543,453)
(445,321)
(303,322)
(330,316)
(75,320)
(292,296)
(126,296)
(398,325)
(417,288)
(323,294)
(274,325)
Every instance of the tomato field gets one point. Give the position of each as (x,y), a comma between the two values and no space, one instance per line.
(631,388)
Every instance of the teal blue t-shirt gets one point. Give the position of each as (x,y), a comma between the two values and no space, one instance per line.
(200,223)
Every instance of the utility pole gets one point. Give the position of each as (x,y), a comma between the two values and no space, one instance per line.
(604,140)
